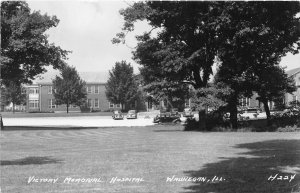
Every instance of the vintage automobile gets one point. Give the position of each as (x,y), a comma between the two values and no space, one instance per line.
(187,112)
(132,114)
(188,115)
(253,113)
(167,117)
(117,115)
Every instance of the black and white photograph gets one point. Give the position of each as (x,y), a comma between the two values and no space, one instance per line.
(150,96)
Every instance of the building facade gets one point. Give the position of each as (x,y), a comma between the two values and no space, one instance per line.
(295,96)
(40,96)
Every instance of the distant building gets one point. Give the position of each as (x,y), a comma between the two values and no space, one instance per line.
(40,96)
(295,96)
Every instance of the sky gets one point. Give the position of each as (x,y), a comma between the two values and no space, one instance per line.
(87,27)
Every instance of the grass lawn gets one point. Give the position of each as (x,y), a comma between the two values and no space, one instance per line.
(155,154)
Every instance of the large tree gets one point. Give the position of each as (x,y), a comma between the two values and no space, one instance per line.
(183,50)
(69,88)
(256,36)
(272,85)
(121,87)
(25,49)
(246,37)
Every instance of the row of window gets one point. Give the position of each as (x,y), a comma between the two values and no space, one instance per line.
(93,103)
(33,91)
(112,105)
(295,98)
(33,104)
(93,89)
(89,89)
(244,102)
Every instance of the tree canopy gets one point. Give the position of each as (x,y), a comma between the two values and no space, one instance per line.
(248,38)
(255,38)
(13,93)
(25,49)
(186,44)
(69,89)
(121,87)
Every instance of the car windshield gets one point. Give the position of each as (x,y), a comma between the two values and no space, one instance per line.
(252,110)
(131,111)
(117,112)
(187,110)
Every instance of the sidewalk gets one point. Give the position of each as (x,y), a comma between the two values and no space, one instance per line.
(82,121)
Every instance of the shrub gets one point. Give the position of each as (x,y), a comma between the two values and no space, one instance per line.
(294,128)
(289,118)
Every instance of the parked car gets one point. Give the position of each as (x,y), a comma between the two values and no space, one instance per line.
(193,115)
(291,111)
(117,115)
(167,117)
(174,111)
(132,114)
(187,112)
(253,113)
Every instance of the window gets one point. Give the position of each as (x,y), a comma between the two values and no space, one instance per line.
(295,98)
(244,102)
(92,89)
(33,104)
(51,104)
(33,91)
(50,88)
(112,105)
(187,103)
(96,103)
(96,89)
(89,89)
(89,102)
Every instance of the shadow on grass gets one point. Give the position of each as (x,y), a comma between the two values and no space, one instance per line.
(17,128)
(30,161)
(250,172)
(166,130)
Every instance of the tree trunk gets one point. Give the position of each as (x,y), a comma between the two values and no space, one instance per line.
(267,109)
(1,123)
(13,108)
(67,106)
(202,120)
(233,112)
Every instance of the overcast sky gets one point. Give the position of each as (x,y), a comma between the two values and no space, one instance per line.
(87,27)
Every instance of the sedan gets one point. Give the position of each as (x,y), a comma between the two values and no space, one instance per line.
(166,117)
(117,115)
(131,114)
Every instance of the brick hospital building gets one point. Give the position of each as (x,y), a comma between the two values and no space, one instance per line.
(40,96)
